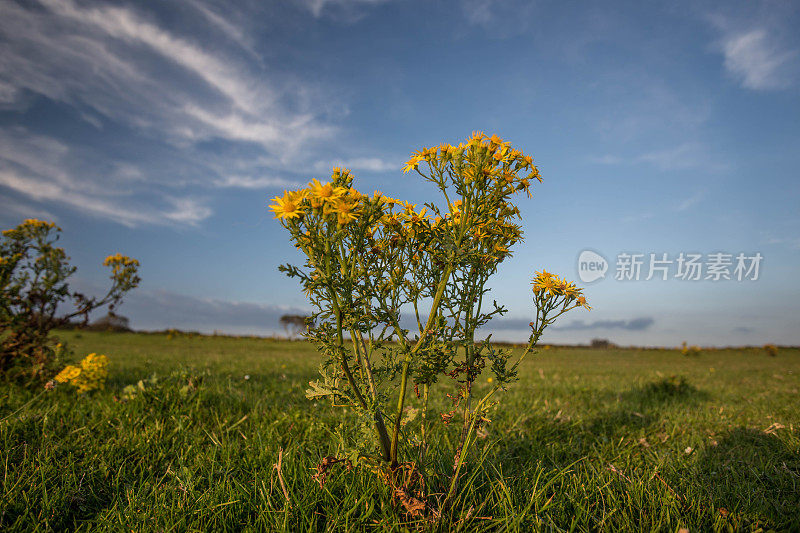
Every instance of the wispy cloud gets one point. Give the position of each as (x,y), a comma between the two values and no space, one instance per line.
(683,156)
(635,324)
(368,164)
(13,211)
(119,67)
(690,201)
(226,27)
(353,9)
(501,18)
(758,44)
(790,242)
(45,169)
(756,60)
(255,182)
(161,309)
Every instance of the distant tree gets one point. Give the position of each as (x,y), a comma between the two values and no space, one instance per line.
(293,324)
(111,322)
(602,343)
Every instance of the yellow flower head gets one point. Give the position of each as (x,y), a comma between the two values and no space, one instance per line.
(414,162)
(346,210)
(321,193)
(287,207)
(543,282)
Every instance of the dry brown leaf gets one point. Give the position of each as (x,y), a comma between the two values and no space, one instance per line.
(773,428)
(414,506)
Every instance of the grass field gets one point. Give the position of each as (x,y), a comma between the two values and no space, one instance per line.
(587,440)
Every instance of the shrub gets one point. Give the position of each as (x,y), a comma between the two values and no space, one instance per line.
(771,350)
(371,258)
(690,350)
(34,291)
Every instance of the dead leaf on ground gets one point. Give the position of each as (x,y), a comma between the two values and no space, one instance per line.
(773,428)
(414,506)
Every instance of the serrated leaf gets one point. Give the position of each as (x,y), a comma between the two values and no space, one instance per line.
(317,391)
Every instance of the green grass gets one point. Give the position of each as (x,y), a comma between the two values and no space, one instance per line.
(587,440)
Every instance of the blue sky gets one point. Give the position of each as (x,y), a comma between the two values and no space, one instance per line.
(161,130)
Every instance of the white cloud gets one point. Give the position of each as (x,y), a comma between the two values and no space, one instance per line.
(790,242)
(121,23)
(183,210)
(119,68)
(161,309)
(126,67)
(44,169)
(501,18)
(318,7)
(680,157)
(756,60)
(683,156)
(13,212)
(367,164)
(255,182)
(231,30)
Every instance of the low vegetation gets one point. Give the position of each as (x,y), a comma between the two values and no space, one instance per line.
(215,433)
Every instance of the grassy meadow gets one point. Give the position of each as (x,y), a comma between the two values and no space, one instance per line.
(586,440)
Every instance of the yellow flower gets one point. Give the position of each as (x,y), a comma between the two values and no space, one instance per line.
(68,374)
(287,207)
(321,193)
(413,163)
(346,210)
(118,261)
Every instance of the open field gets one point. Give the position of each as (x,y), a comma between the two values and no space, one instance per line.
(587,440)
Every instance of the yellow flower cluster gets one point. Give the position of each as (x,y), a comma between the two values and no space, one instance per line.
(481,157)
(120,262)
(548,284)
(485,172)
(327,199)
(90,375)
(30,226)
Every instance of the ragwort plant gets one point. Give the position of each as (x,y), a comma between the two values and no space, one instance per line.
(89,375)
(371,258)
(34,292)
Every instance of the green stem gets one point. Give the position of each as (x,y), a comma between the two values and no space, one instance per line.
(407,362)
(423,443)
(380,425)
(463,452)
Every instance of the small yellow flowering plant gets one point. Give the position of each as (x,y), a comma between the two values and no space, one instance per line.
(371,258)
(34,290)
(90,375)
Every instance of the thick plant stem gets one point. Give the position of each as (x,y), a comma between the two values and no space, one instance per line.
(407,362)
